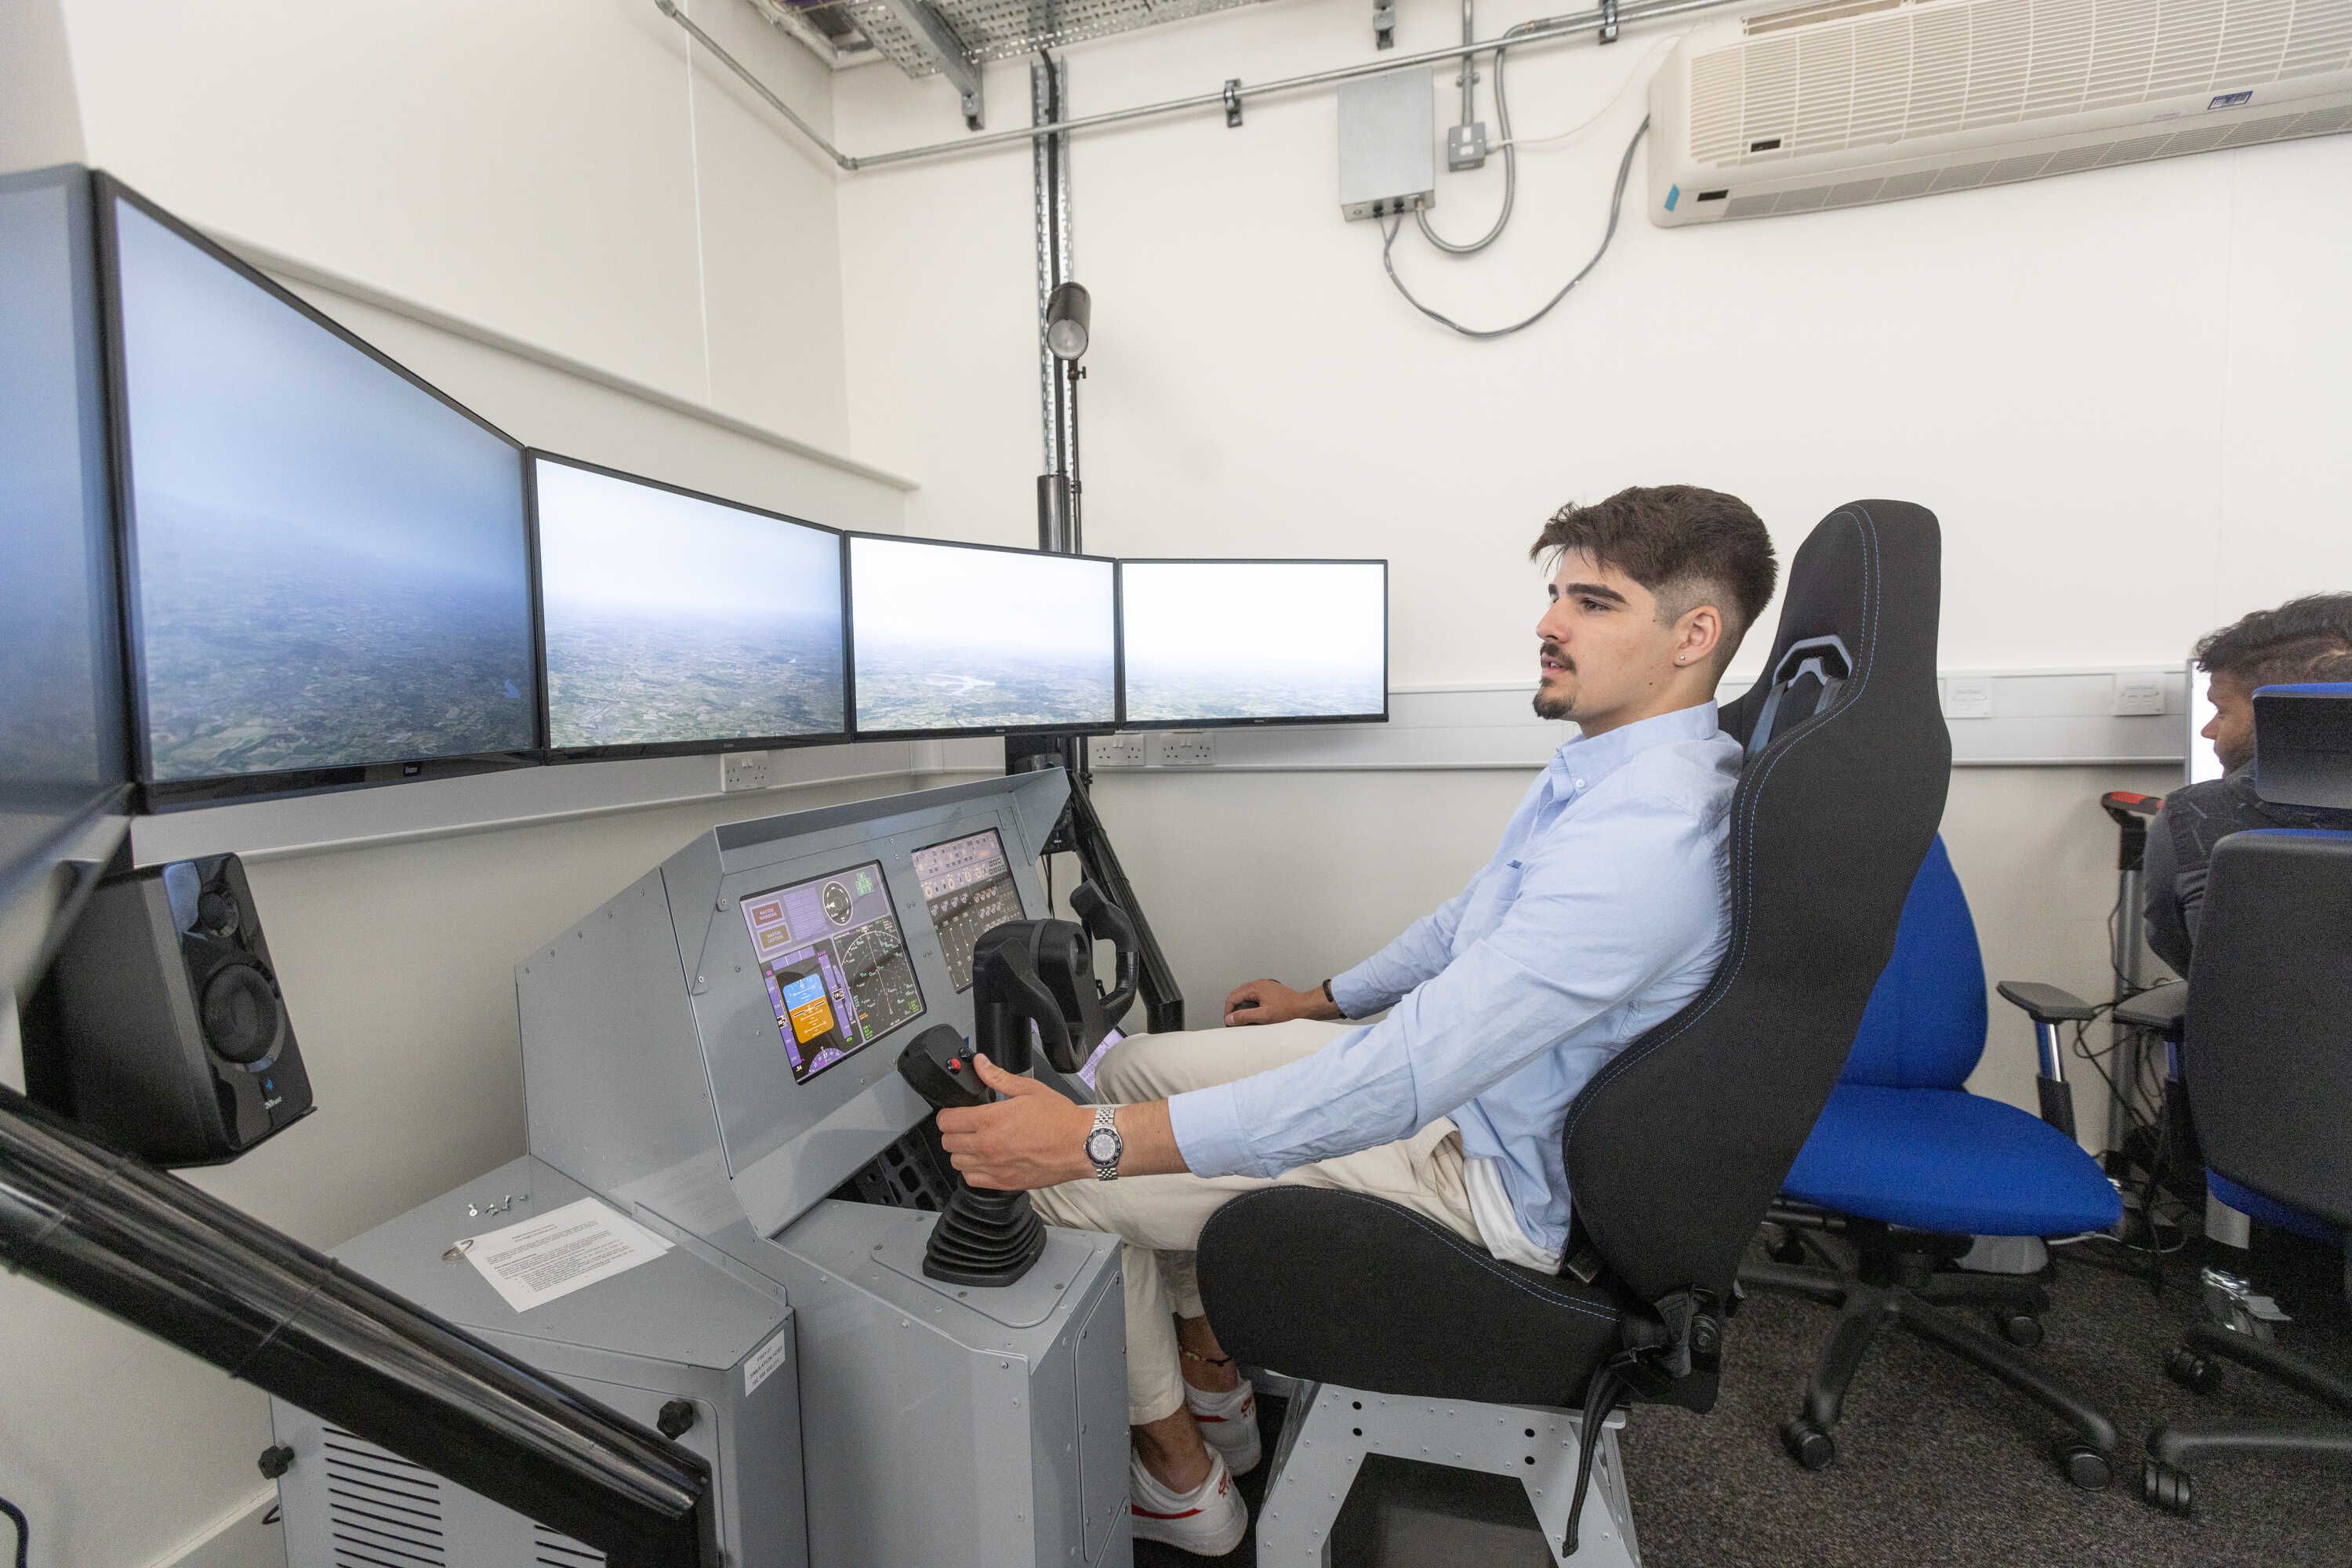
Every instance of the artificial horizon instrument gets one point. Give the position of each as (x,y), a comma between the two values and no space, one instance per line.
(741,1053)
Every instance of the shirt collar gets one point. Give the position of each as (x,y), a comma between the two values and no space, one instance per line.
(1584,762)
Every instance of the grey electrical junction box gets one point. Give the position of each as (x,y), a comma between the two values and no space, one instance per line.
(1388,144)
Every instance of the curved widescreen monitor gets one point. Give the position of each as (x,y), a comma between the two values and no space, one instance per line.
(676,622)
(62,728)
(329,561)
(970,638)
(1252,642)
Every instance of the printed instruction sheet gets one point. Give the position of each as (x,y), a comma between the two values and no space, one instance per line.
(549,1255)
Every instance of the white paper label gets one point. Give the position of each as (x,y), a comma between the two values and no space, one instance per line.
(765,1361)
(538,1260)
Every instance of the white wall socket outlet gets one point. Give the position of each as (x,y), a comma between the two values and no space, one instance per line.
(2139,694)
(743,770)
(1118,751)
(1968,697)
(1187,748)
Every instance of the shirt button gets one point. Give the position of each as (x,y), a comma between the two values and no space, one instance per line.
(1580,784)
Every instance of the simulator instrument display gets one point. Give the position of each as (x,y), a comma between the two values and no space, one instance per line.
(674,620)
(959,637)
(836,965)
(968,887)
(332,567)
(60,716)
(1236,641)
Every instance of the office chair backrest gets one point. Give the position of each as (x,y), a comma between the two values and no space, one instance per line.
(1925,1027)
(1675,1148)
(2267,1049)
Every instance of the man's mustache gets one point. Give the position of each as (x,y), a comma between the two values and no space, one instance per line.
(1551,650)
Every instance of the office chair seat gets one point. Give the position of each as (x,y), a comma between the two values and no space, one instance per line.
(1306,1253)
(1947,1161)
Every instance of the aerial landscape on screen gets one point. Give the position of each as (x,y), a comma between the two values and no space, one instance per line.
(952,638)
(671,619)
(1218,640)
(332,565)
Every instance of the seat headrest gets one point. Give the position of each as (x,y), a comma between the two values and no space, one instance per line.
(2303,745)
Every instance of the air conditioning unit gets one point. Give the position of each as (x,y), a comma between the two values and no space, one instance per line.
(1847,101)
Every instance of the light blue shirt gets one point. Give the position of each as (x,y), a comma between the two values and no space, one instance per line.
(1606,909)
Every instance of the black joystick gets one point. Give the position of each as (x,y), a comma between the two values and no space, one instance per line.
(983,1236)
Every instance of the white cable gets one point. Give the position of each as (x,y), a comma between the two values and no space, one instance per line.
(1640,75)
(1616,205)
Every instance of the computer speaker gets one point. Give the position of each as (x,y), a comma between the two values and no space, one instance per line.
(162,1028)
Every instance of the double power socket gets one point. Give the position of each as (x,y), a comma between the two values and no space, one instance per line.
(1170,749)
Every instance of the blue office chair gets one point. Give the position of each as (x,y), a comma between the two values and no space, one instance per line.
(2266,1059)
(1909,1167)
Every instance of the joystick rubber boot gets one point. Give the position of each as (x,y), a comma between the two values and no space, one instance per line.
(985,1237)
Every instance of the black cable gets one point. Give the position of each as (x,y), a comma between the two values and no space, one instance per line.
(1616,205)
(24,1532)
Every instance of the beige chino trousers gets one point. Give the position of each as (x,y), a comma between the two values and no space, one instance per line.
(1160,1217)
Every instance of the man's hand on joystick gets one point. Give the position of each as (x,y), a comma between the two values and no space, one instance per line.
(1031,1137)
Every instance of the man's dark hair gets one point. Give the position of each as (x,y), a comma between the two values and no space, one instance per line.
(1687,546)
(2282,645)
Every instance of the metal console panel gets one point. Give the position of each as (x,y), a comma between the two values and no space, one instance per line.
(652,1065)
(953,1425)
(677,1327)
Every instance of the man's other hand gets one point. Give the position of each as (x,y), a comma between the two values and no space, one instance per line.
(1272,1002)
(1033,1137)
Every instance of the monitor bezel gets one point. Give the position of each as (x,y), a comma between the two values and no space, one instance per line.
(1136,726)
(532,458)
(172,794)
(1117,671)
(99,818)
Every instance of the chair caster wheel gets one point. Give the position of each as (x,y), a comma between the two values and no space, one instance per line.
(2086,1467)
(2164,1488)
(1807,1444)
(2198,1373)
(2020,1329)
(1789,1249)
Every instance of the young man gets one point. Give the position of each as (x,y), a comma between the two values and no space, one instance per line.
(1604,910)
(2304,639)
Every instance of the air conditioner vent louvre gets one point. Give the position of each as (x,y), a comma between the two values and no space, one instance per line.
(1810,106)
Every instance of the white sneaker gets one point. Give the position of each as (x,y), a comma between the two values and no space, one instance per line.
(1208,1521)
(1229,1421)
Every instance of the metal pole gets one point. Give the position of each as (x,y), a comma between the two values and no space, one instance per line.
(1527,36)
(164,1257)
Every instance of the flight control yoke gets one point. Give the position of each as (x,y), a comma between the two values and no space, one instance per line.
(1029,974)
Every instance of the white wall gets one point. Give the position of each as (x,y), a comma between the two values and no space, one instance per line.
(558,169)
(2120,390)
(40,120)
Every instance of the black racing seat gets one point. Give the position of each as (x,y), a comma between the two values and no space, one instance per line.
(1411,1342)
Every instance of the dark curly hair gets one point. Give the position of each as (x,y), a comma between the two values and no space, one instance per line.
(1688,546)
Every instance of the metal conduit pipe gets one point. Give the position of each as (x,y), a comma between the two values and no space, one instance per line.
(1525,36)
(164,1257)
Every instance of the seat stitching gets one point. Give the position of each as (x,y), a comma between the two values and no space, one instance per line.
(1476,1256)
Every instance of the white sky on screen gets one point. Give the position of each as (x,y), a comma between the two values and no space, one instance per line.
(1268,614)
(612,543)
(912,593)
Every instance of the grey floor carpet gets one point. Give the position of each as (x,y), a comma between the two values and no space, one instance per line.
(1936,1464)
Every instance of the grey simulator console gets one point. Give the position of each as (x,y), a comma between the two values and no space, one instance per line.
(713,1053)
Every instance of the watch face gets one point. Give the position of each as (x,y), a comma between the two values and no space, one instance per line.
(1102,1146)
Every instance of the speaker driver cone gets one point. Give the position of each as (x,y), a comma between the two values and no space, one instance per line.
(242,1019)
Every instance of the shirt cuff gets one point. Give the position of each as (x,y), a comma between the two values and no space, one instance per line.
(1208,1129)
(1356,994)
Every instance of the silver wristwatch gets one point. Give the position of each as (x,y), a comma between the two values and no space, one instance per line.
(1104,1145)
